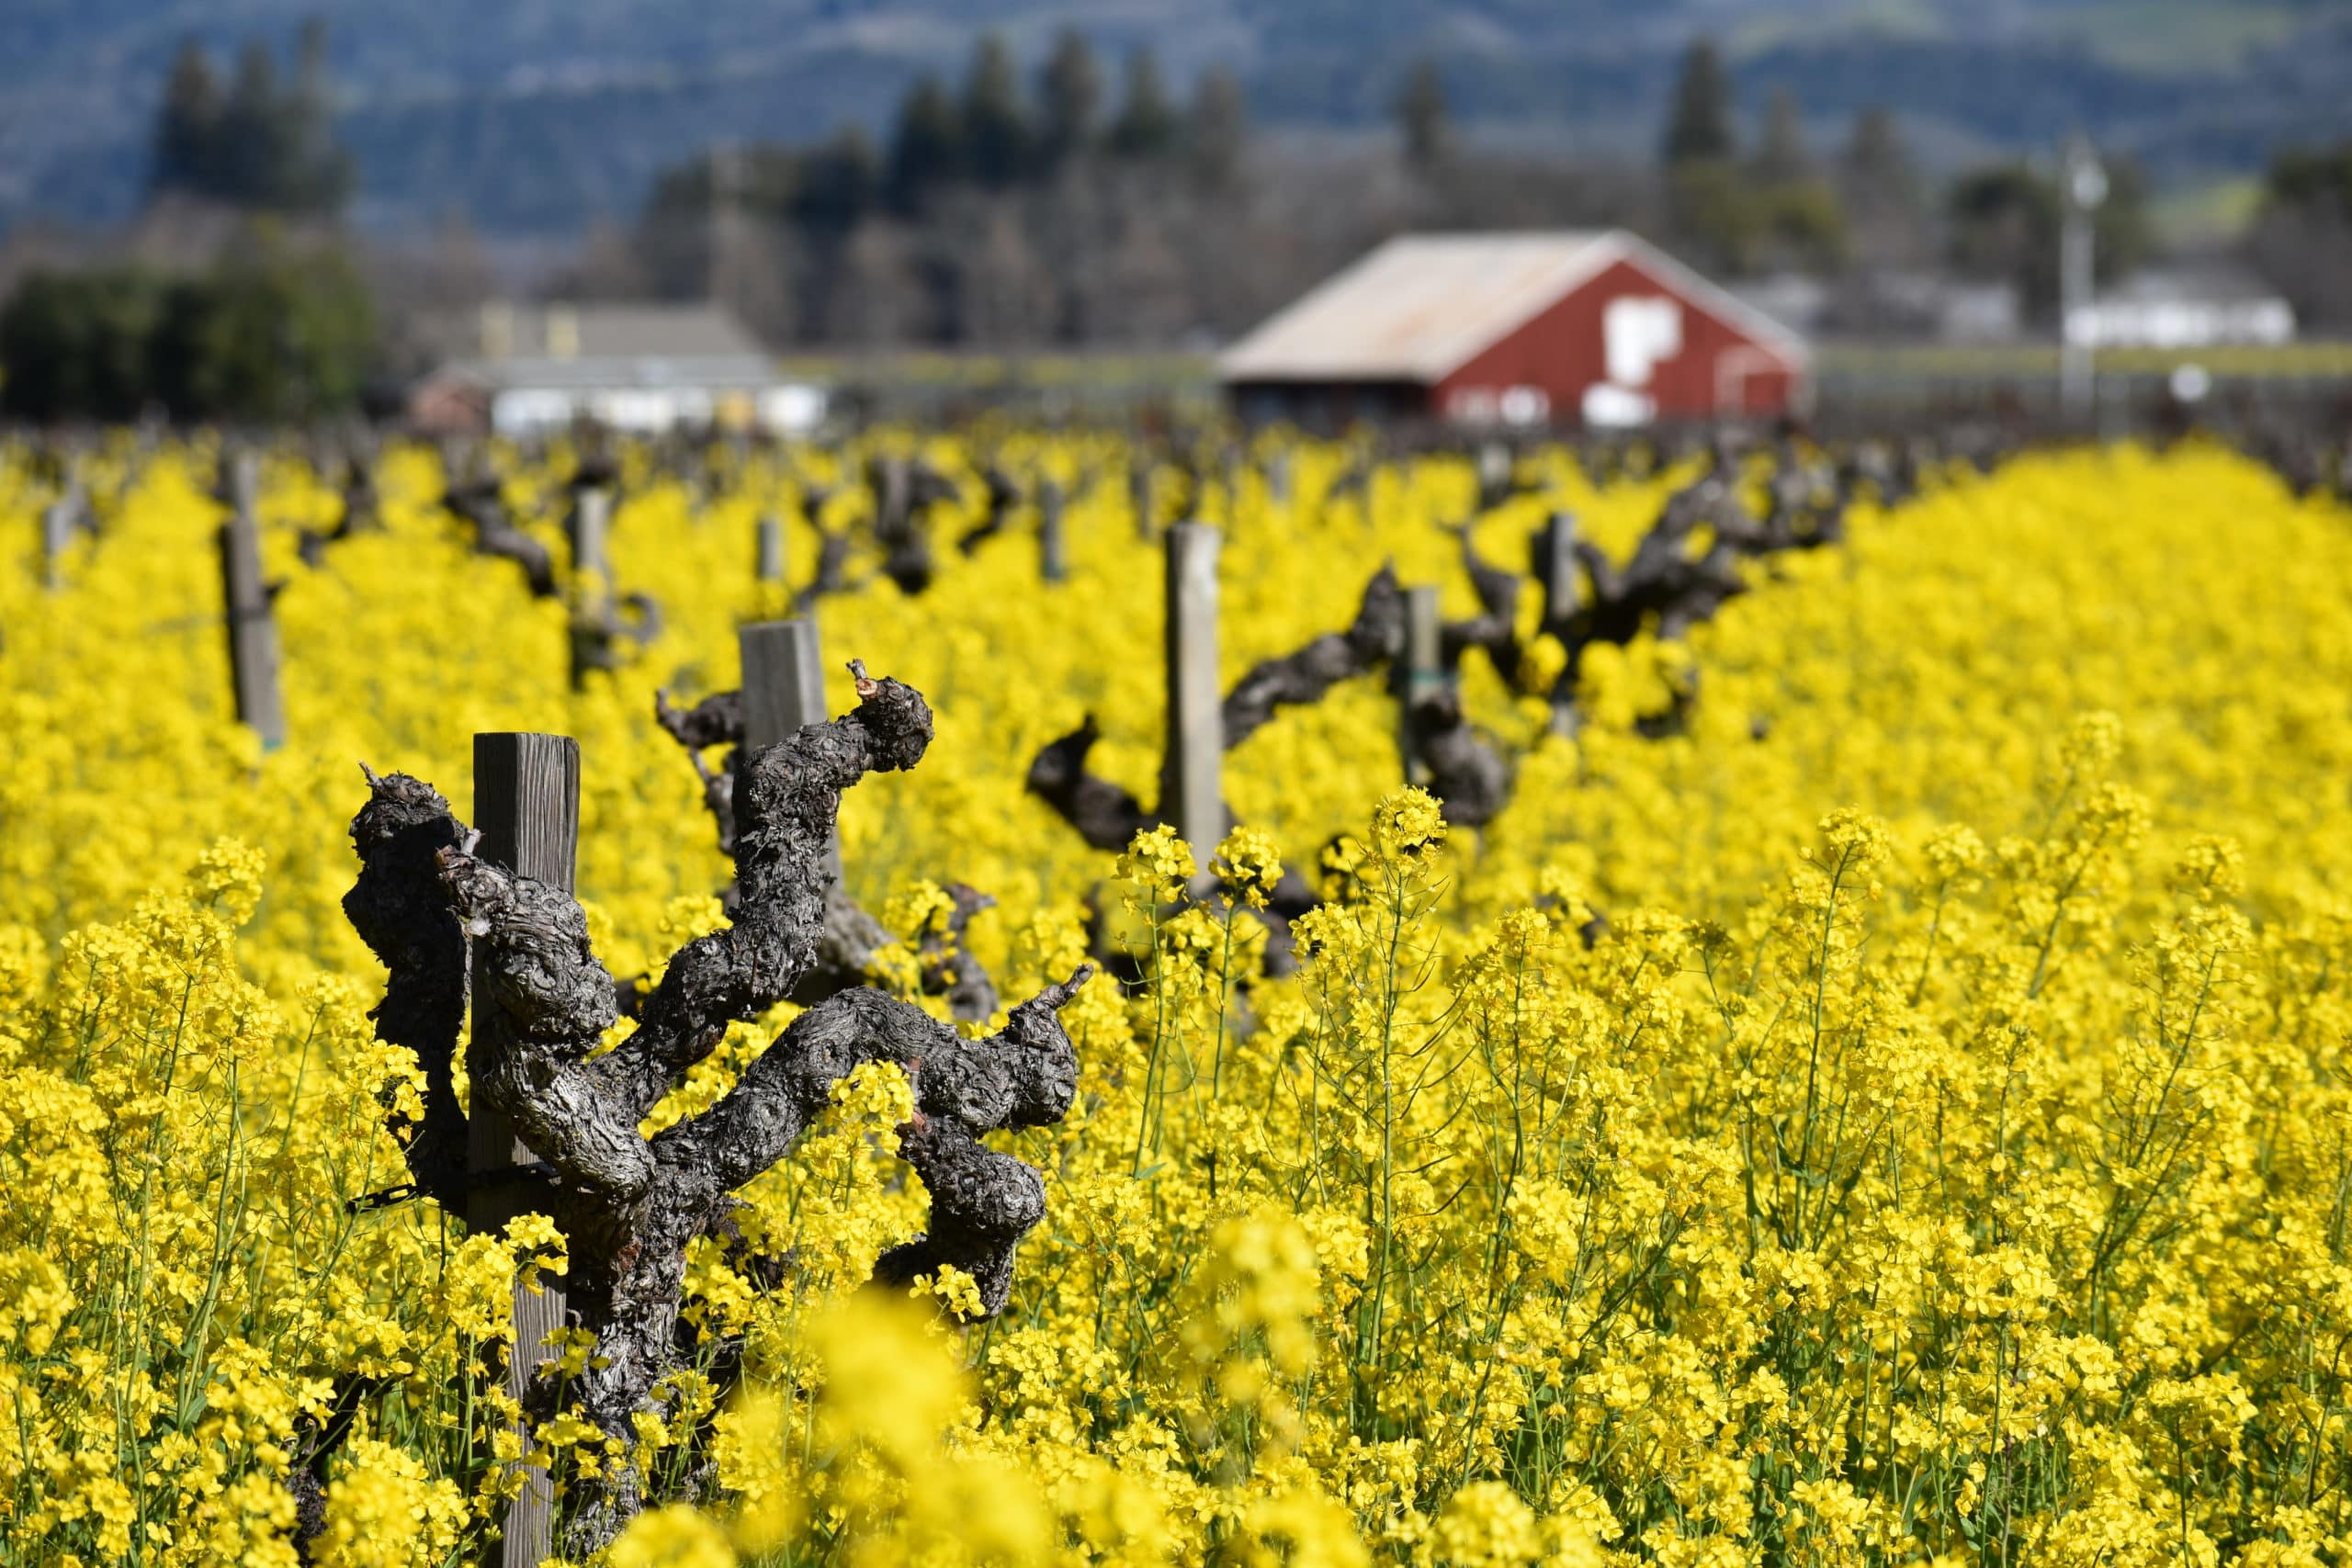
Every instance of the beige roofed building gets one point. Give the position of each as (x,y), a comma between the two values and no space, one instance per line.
(641,366)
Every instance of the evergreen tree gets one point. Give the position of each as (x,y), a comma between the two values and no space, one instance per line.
(1146,126)
(313,173)
(997,136)
(188,125)
(2004,222)
(267,333)
(836,182)
(1881,191)
(1699,127)
(1069,94)
(257,145)
(2302,235)
(76,344)
(253,126)
(1216,128)
(1877,165)
(1781,156)
(1421,113)
(926,146)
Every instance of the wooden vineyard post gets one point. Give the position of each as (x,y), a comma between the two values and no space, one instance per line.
(767,550)
(894,482)
(1192,793)
(527,806)
(1495,463)
(592,579)
(1139,494)
(784,688)
(1554,567)
(56,533)
(1053,561)
(253,634)
(591,517)
(1420,676)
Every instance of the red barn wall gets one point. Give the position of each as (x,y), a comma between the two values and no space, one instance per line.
(1560,351)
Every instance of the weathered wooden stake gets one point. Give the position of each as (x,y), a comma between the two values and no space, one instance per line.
(56,532)
(1053,563)
(1420,676)
(1139,495)
(767,551)
(894,489)
(1494,472)
(594,603)
(1554,567)
(592,515)
(1192,795)
(527,806)
(253,634)
(784,687)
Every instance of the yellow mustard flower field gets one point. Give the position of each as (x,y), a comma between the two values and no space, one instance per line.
(1874,1093)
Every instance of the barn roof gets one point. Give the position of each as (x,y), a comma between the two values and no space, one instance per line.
(504,332)
(604,344)
(1420,305)
(634,330)
(572,372)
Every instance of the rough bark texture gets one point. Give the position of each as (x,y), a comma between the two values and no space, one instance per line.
(1663,580)
(851,938)
(847,945)
(1808,504)
(1469,775)
(717,720)
(1374,637)
(2306,463)
(1003,496)
(905,489)
(600,636)
(477,503)
(359,517)
(948,967)
(832,569)
(831,575)
(627,1204)
(1495,631)
(398,908)
(1106,815)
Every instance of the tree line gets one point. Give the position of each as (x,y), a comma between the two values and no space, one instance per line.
(1001,212)
(986,134)
(278,329)
(266,317)
(251,142)
(1074,203)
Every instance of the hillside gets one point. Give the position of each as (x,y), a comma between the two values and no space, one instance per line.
(534,115)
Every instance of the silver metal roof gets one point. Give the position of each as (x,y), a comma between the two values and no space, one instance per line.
(616,330)
(1420,305)
(592,371)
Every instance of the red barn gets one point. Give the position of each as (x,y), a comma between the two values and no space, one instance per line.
(1598,329)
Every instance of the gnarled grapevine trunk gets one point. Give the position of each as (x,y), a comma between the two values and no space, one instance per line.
(627,1204)
(852,939)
